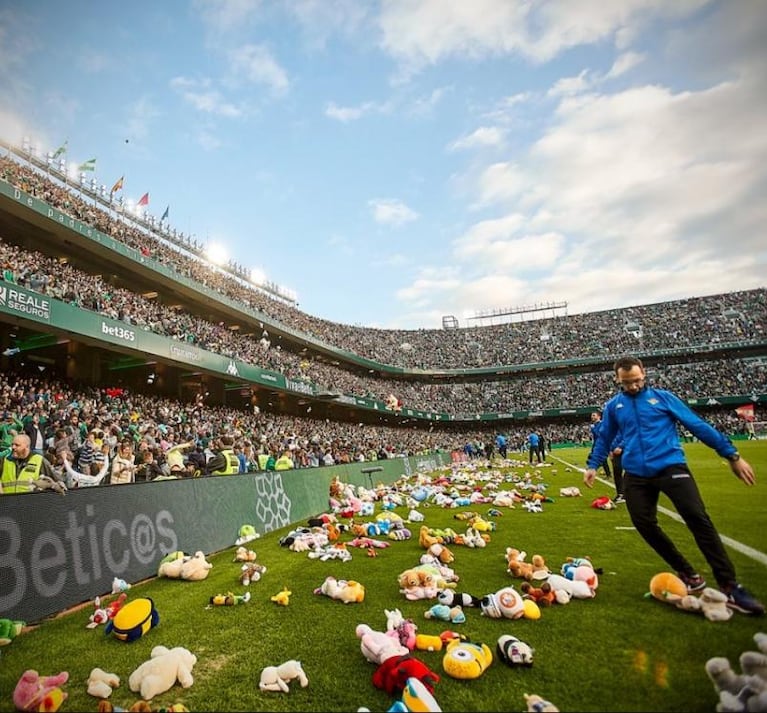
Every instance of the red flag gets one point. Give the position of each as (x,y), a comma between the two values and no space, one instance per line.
(144,200)
(746,412)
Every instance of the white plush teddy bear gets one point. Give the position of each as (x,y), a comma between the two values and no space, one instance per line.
(196,568)
(276,678)
(162,670)
(101,683)
(746,691)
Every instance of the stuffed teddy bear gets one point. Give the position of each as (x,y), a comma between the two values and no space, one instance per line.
(277,678)
(514,652)
(393,674)
(466,659)
(574,588)
(243,554)
(543,596)
(164,667)
(170,565)
(711,603)
(101,683)
(516,565)
(536,704)
(377,646)
(746,691)
(196,568)
(9,630)
(346,591)
(251,572)
(34,692)
(442,553)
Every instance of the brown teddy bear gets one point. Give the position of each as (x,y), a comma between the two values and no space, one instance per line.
(516,565)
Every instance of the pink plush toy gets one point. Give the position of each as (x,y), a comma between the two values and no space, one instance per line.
(39,693)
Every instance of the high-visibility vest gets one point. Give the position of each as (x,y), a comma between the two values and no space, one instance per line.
(233,463)
(283,463)
(19,482)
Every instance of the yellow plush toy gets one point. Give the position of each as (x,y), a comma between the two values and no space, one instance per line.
(466,659)
(282,598)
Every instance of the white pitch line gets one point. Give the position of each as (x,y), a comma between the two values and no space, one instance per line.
(744,549)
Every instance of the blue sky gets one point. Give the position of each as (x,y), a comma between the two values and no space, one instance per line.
(393,162)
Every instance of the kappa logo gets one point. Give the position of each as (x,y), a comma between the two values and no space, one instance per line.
(232,369)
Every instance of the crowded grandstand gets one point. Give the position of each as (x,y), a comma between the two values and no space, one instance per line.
(232,360)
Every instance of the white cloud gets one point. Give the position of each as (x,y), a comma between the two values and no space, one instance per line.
(203,97)
(567,86)
(482,137)
(346,114)
(257,65)
(624,63)
(390,211)
(427,32)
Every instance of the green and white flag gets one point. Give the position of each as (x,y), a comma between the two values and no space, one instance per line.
(89,165)
(60,150)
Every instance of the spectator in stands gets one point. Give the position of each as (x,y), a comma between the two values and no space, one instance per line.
(19,469)
(76,479)
(9,427)
(149,469)
(174,457)
(124,465)
(34,429)
(655,463)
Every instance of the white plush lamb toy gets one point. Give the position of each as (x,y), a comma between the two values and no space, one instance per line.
(162,670)
(276,678)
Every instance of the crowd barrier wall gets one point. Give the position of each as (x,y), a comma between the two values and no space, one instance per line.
(57,551)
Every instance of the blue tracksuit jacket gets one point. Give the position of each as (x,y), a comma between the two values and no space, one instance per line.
(647,423)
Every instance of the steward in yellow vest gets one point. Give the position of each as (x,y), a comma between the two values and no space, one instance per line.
(21,468)
(224,462)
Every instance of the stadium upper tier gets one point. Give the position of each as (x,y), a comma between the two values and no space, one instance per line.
(694,324)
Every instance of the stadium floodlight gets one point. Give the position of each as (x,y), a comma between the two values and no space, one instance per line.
(216,253)
(257,276)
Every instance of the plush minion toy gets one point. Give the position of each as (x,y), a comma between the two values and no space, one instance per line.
(133,620)
(466,659)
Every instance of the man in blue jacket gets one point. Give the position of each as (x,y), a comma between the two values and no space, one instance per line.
(654,463)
